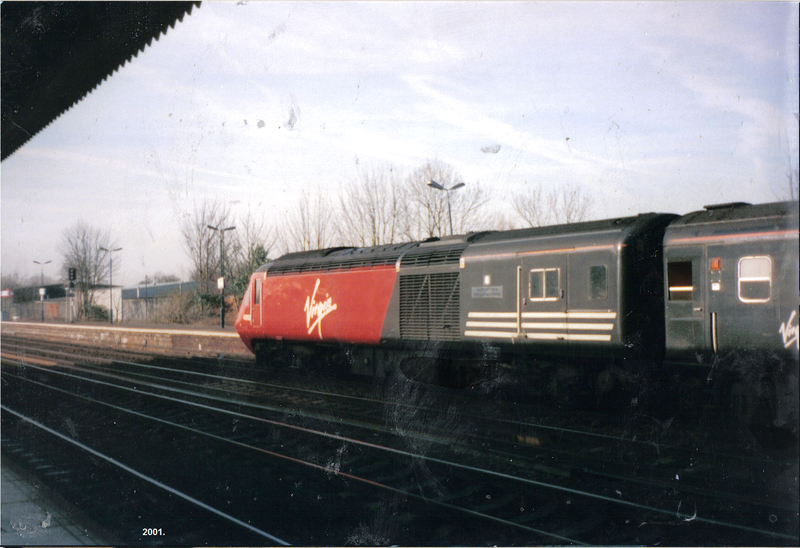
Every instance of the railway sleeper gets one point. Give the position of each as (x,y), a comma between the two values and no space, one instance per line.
(759,393)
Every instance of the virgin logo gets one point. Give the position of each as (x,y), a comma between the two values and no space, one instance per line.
(789,331)
(315,311)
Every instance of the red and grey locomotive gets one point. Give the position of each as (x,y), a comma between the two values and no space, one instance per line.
(705,290)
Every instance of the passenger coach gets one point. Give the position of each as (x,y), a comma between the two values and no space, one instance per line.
(731,275)
(586,290)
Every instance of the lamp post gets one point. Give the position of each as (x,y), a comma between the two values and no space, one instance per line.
(110,282)
(437,186)
(145,297)
(221,281)
(42,290)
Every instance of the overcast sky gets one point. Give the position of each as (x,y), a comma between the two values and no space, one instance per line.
(648,106)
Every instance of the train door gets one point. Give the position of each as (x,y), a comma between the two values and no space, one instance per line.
(592,313)
(543,297)
(686,333)
(743,302)
(255,302)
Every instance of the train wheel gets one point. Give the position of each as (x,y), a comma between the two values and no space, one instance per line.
(339,362)
(260,350)
(759,408)
(609,392)
(693,396)
(331,363)
(270,357)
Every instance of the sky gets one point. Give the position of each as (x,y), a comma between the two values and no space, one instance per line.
(646,106)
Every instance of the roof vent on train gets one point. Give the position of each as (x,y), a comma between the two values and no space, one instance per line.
(729,205)
(316,253)
(445,240)
(434,255)
(338,258)
(475,236)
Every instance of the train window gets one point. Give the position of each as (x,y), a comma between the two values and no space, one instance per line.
(544,284)
(679,281)
(257,294)
(598,283)
(755,279)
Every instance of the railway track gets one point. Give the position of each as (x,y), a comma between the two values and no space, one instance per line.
(406,452)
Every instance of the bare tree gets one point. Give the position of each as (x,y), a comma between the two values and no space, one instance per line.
(532,206)
(428,207)
(80,249)
(309,225)
(559,205)
(159,278)
(256,238)
(202,243)
(372,208)
(503,221)
(14,280)
(253,232)
(11,281)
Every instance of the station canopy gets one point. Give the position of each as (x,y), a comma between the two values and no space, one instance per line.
(55,53)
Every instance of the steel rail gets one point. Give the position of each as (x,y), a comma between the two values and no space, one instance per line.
(294,460)
(472,469)
(146,478)
(559,429)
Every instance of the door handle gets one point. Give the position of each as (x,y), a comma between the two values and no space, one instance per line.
(714,343)
(698,309)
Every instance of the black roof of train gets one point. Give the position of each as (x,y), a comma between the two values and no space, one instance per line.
(448,250)
(338,258)
(620,224)
(440,251)
(738,211)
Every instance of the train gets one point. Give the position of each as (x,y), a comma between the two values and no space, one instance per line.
(705,296)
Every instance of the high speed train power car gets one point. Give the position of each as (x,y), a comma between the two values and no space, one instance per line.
(710,289)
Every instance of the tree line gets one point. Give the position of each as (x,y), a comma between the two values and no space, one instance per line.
(382,205)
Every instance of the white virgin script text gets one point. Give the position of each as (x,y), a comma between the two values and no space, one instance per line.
(315,311)
(789,331)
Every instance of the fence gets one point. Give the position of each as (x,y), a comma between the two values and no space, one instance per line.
(151,303)
(157,303)
(55,310)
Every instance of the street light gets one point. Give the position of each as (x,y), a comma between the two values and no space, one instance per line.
(42,290)
(110,282)
(221,282)
(437,186)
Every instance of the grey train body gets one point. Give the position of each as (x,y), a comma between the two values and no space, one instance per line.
(657,287)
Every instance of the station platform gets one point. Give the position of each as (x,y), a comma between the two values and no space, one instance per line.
(33,515)
(183,340)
